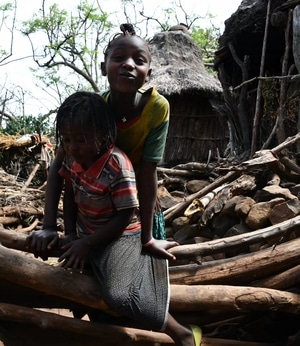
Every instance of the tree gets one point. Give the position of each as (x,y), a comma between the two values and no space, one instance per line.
(207,38)
(73,42)
(6,9)
(29,125)
(67,47)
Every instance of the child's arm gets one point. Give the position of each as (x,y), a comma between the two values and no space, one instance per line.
(76,252)
(53,191)
(70,214)
(41,242)
(147,188)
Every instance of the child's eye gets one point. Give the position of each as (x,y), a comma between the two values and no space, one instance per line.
(117,58)
(139,61)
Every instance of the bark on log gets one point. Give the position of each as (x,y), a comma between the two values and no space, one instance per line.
(199,204)
(179,172)
(290,164)
(238,242)
(242,269)
(29,272)
(19,210)
(95,333)
(284,172)
(282,281)
(14,240)
(232,298)
(169,216)
(9,220)
(106,334)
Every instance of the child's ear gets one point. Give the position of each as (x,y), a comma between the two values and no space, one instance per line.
(103,69)
(148,75)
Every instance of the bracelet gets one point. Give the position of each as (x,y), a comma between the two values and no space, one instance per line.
(150,242)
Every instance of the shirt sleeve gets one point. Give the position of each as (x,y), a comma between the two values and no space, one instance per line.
(123,186)
(156,140)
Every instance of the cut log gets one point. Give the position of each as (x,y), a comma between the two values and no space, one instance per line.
(238,243)
(242,269)
(200,204)
(283,281)
(179,172)
(6,221)
(29,272)
(89,333)
(169,216)
(20,210)
(48,329)
(232,298)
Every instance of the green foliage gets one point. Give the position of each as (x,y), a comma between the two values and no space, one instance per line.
(29,125)
(5,11)
(6,7)
(208,41)
(72,41)
(67,48)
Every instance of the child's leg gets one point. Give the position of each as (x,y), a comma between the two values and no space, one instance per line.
(182,336)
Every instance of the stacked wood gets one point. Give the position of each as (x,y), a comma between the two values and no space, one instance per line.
(27,157)
(237,268)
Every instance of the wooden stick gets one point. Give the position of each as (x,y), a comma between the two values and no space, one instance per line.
(183,205)
(31,176)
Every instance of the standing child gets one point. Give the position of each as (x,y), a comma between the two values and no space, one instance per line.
(142,118)
(101,213)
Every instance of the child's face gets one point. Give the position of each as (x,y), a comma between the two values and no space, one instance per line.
(79,142)
(127,65)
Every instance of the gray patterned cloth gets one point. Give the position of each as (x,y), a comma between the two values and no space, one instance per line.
(133,282)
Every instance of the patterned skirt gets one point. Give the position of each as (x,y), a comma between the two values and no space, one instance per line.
(133,282)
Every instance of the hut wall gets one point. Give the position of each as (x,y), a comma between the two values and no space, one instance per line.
(194,130)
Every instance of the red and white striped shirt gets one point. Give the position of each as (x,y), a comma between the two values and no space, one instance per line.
(100,191)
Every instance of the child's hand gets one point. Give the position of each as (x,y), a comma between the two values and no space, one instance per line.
(64,240)
(160,248)
(42,242)
(75,254)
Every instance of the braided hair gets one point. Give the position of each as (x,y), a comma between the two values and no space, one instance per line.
(127,29)
(91,109)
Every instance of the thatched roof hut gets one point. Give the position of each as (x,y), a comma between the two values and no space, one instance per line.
(257,67)
(179,74)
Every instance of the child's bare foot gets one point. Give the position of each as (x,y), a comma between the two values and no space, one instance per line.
(191,337)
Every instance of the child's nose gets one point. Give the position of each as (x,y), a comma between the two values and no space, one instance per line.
(129,63)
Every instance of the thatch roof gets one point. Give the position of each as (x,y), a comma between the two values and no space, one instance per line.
(177,66)
(248,21)
(244,35)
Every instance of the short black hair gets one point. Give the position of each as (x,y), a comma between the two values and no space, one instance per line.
(91,107)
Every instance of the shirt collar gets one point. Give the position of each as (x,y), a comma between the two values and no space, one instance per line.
(97,167)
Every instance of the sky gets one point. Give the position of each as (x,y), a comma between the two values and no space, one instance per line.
(18,73)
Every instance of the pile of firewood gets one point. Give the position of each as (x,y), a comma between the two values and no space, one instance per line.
(237,268)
